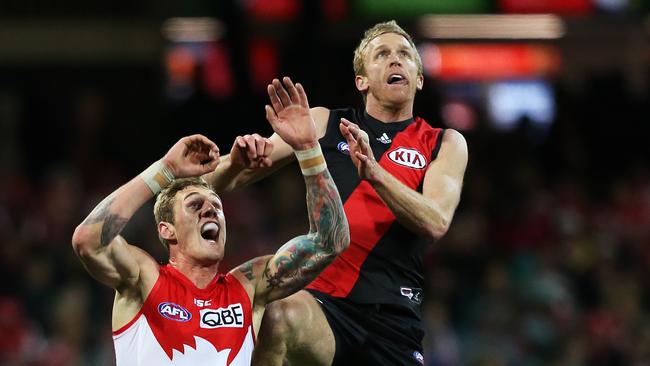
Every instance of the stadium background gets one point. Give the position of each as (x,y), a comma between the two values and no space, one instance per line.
(547,260)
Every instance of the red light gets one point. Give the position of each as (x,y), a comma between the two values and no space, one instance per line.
(273,10)
(567,7)
(489,62)
(263,63)
(218,80)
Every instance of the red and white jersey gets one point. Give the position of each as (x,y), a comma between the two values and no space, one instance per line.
(180,324)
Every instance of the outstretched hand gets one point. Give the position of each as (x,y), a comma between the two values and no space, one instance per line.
(289,114)
(251,151)
(360,151)
(192,156)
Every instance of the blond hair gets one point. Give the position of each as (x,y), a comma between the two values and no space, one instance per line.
(163,209)
(374,32)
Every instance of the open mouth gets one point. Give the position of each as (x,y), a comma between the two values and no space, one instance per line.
(210,231)
(396,79)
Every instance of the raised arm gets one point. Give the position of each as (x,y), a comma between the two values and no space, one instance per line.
(104,253)
(300,260)
(429,213)
(253,157)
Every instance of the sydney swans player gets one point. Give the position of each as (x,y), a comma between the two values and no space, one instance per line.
(186,312)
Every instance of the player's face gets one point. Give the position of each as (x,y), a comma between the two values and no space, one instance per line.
(200,224)
(392,75)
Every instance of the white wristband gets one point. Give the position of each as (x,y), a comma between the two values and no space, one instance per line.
(311,160)
(157,176)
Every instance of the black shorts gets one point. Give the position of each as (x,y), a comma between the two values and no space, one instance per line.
(371,334)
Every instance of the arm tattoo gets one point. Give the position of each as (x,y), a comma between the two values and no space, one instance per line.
(112,224)
(326,213)
(293,268)
(307,255)
(247,270)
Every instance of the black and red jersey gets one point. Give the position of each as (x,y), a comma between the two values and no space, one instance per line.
(383,264)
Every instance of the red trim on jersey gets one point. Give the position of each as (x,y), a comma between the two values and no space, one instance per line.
(154,289)
(369,217)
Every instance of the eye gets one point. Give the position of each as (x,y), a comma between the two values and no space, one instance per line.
(195,205)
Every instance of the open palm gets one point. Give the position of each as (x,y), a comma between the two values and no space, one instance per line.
(289,114)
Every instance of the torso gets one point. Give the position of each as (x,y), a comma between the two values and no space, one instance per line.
(180,324)
(384,262)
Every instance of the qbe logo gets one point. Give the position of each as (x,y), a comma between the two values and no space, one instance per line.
(228,317)
(408,157)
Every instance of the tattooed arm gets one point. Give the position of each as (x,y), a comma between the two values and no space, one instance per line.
(104,253)
(303,258)
(300,260)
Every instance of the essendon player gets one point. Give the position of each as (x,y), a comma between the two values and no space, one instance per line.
(400,180)
(186,312)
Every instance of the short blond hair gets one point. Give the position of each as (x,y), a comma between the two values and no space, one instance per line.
(163,209)
(374,32)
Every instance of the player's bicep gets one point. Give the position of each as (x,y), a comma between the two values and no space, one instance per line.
(114,265)
(443,180)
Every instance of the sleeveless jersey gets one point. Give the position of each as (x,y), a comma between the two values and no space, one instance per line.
(384,263)
(180,324)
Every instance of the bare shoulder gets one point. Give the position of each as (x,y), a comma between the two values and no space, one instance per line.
(250,272)
(148,264)
(452,157)
(320,116)
(455,138)
(148,269)
(454,144)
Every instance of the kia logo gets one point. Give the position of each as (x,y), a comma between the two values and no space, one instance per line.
(407,157)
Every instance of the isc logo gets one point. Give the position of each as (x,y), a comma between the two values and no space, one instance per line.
(228,317)
(174,312)
(407,157)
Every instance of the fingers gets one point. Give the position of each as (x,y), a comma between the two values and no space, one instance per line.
(240,142)
(273,96)
(363,158)
(302,96)
(260,144)
(255,148)
(345,131)
(202,144)
(282,96)
(266,162)
(356,131)
(210,165)
(281,92)
(293,92)
(268,147)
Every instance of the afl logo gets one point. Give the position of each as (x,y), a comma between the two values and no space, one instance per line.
(407,157)
(343,147)
(173,311)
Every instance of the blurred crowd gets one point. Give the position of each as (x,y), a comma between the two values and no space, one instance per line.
(545,264)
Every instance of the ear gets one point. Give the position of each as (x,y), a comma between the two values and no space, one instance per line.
(167,231)
(361,82)
(419,82)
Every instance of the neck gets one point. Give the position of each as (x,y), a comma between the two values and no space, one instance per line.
(389,112)
(200,274)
